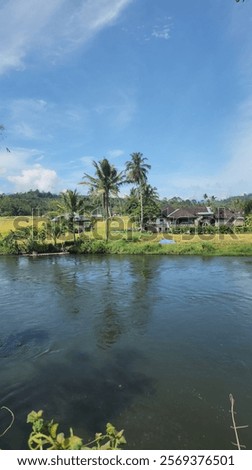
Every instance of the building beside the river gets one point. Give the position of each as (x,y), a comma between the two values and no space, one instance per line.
(195,216)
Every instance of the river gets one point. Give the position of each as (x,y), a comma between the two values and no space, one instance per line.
(153,344)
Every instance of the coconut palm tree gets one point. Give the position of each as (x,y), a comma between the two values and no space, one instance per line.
(151,205)
(71,205)
(105,182)
(136,171)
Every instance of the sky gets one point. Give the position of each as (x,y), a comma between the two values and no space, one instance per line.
(81,80)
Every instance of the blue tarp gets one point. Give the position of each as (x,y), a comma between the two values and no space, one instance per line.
(164,241)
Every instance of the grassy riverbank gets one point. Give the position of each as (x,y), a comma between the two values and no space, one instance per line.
(133,248)
(121,242)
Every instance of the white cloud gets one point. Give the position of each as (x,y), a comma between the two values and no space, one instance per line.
(115,153)
(24,130)
(52,28)
(18,167)
(40,120)
(22,24)
(161,32)
(29,118)
(36,177)
(16,159)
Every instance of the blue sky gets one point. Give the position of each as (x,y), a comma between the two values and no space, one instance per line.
(85,79)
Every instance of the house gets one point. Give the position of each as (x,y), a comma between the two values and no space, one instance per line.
(194,216)
(191,216)
(225,216)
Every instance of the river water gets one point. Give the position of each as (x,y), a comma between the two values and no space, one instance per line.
(153,344)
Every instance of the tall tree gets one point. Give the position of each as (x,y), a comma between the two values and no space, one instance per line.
(136,171)
(151,203)
(71,205)
(106,182)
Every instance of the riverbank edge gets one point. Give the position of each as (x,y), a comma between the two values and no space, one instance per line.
(99,247)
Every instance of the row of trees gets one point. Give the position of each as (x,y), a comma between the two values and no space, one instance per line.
(107,181)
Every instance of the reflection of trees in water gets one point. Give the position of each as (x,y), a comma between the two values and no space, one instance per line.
(69,279)
(143,270)
(125,298)
(109,324)
(109,328)
(114,294)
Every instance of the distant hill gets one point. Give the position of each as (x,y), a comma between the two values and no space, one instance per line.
(27,203)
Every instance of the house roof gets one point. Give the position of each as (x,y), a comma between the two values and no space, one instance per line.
(194,212)
(187,212)
(167,210)
(225,213)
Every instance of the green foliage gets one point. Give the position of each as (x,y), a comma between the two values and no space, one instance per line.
(248,222)
(71,204)
(27,240)
(9,244)
(45,436)
(55,230)
(248,207)
(89,247)
(26,203)
(106,182)
(208,247)
(150,201)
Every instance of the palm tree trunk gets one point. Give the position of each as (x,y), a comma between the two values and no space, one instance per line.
(141,208)
(107,217)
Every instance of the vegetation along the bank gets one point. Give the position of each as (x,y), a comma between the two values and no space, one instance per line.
(139,223)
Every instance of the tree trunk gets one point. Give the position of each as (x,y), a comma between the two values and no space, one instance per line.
(141,207)
(71,227)
(107,217)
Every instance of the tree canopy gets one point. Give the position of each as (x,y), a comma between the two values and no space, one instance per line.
(136,171)
(106,182)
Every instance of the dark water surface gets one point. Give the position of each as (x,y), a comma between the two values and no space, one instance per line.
(152,344)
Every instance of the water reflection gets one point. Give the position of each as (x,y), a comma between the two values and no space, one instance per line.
(153,344)
(108,329)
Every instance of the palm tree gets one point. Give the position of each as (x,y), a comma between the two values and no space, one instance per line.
(106,181)
(151,205)
(136,171)
(71,205)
